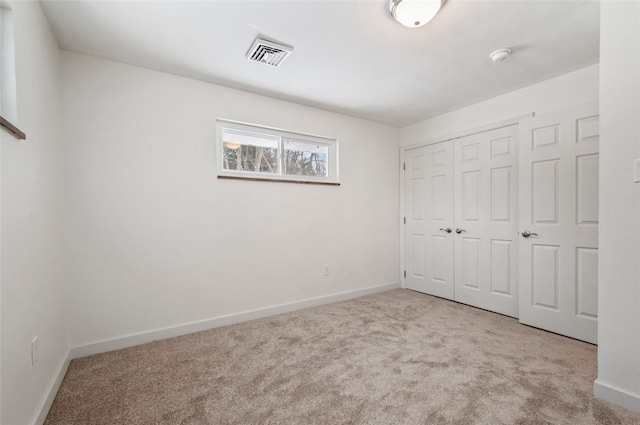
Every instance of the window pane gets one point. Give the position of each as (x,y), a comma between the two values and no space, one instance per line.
(253,152)
(8,96)
(246,151)
(305,158)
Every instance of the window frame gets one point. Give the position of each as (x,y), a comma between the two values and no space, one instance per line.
(282,135)
(8,84)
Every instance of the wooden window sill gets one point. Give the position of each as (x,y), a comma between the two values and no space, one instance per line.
(12,129)
(258,179)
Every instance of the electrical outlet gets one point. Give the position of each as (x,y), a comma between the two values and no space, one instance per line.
(34,351)
(326,270)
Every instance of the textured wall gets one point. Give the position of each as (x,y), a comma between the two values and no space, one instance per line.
(156,240)
(575,88)
(34,298)
(619,268)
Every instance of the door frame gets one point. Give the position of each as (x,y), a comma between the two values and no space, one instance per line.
(451,136)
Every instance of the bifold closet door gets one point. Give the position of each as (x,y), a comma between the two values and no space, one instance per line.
(559,222)
(486,227)
(429,219)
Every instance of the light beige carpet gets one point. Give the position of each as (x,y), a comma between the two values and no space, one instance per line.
(398,357)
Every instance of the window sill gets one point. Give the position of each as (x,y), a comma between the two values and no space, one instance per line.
(260,179)
(12,129)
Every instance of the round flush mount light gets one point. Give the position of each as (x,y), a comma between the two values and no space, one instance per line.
(500,54)
(414,13)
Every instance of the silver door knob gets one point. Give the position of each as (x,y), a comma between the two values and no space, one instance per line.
(448,230)
(459,230)
(526,234)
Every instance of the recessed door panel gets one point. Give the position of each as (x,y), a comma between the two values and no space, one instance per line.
(545,136)
(439,199)
(470,152)
(417,162)
(587,182)
(417,192)
(587,282)
(501,201)
(470,195)
(501,146)
(589,129)
(417,254)
(439,158)
(545,276)
(439,258)
(501,262)
(470,258)
(545,191)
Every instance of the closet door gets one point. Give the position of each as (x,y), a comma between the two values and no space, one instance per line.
(429,219)
(559,222)
(486,201)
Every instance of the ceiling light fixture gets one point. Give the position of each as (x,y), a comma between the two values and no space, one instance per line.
(500,54)
(414,13)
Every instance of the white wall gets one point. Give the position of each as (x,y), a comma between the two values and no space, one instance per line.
(576,88)
(32,247)
(619,268)
(156,240)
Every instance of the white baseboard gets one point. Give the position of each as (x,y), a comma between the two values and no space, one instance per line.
(611,393)
(50,393)
(203,325)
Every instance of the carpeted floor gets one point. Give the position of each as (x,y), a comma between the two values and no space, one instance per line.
(398,357)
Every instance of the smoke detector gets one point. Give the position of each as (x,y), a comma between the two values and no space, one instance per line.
(500,54)
(268,52)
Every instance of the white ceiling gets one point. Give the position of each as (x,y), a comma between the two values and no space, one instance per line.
(349,56)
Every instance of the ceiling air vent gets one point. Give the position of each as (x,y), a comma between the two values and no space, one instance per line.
(268,52)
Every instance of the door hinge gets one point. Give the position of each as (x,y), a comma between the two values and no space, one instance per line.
(405,220)
(404,166)
(405,274)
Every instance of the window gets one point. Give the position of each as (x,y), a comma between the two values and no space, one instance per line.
(251,152)
(8,96)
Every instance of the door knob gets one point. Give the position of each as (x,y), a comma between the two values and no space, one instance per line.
(459,230)
(448,230)
(526,234)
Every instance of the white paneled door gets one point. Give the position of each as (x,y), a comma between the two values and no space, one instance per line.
(429,233)
(486,220)
(469,255)
(559,222)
